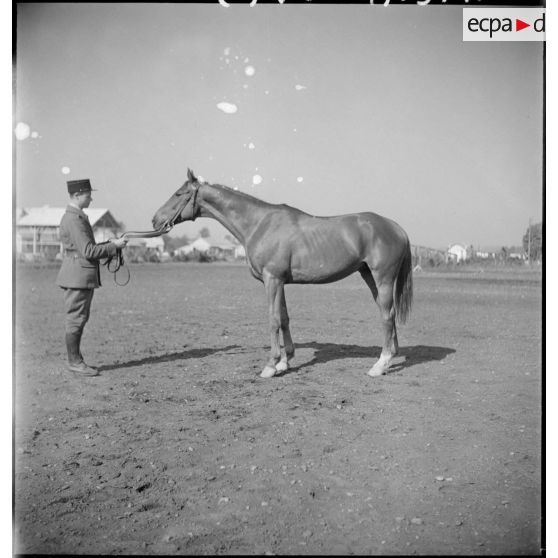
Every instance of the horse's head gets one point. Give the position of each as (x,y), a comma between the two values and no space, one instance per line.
(181,206)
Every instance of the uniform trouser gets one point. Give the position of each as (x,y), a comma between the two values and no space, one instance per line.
(78,306)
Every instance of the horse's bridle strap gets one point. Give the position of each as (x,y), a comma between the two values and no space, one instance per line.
(194,197)
(180,209)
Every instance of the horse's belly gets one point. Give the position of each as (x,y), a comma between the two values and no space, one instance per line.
(324,271)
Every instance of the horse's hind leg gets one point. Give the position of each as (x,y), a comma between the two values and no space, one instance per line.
(283,364)
(382,291)
(387,310)
(273,289)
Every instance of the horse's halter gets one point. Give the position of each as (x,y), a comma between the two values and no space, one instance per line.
(171,222)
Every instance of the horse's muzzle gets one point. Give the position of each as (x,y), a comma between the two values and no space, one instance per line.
(163,226)
(159,222)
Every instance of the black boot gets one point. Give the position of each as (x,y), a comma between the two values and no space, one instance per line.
(79,350)
(75,360)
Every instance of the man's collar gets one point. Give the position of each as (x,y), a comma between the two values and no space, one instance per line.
(75,209)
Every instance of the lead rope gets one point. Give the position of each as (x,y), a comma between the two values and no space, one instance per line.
(114,263)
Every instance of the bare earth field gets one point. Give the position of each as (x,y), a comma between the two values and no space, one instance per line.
(179,447)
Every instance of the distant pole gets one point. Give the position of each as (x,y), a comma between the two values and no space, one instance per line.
(529,242)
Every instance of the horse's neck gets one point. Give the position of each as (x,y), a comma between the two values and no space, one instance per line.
(238,213)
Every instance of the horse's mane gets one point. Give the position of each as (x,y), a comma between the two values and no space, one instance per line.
(241,194)
(258,201)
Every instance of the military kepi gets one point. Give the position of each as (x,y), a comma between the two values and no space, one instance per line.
(75,186)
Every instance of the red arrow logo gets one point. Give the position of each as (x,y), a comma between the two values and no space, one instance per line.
(519,25)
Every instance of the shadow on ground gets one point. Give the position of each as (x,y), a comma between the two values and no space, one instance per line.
(169,357)
(323,352)
(326,352)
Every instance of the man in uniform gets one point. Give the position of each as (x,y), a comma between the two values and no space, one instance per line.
(79,275)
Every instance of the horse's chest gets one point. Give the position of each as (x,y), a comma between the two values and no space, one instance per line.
(255,269)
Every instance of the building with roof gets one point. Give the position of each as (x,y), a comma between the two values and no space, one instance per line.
(224,250)
(156,243)
(199,245)
(457,253)
(145,249)
(38,229)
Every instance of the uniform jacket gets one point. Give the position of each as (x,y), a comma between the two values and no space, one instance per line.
(80,264)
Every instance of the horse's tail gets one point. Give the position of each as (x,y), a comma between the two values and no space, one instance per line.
(404,287)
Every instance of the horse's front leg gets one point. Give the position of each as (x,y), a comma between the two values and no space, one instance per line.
(283,364)
(273,289)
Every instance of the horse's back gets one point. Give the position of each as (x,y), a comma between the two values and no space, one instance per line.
(363,230)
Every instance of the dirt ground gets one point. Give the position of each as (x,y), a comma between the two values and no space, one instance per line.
(179,447)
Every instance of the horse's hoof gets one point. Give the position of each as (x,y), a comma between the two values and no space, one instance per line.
(268,372)
(376,372)
(282,366)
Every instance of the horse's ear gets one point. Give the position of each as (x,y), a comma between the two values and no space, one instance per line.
(191,176)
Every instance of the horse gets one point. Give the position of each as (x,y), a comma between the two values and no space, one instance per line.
(286,245)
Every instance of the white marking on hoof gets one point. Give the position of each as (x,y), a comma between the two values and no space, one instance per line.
(381,366)
(268,372)
(282,366)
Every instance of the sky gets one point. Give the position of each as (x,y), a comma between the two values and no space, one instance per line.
(329,108)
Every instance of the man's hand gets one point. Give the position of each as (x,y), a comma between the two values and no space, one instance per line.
(119,242)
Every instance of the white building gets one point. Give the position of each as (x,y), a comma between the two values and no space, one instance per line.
(38,229)
(218,250)
(239,251)
(201,245)
(155,244)
(457,253)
